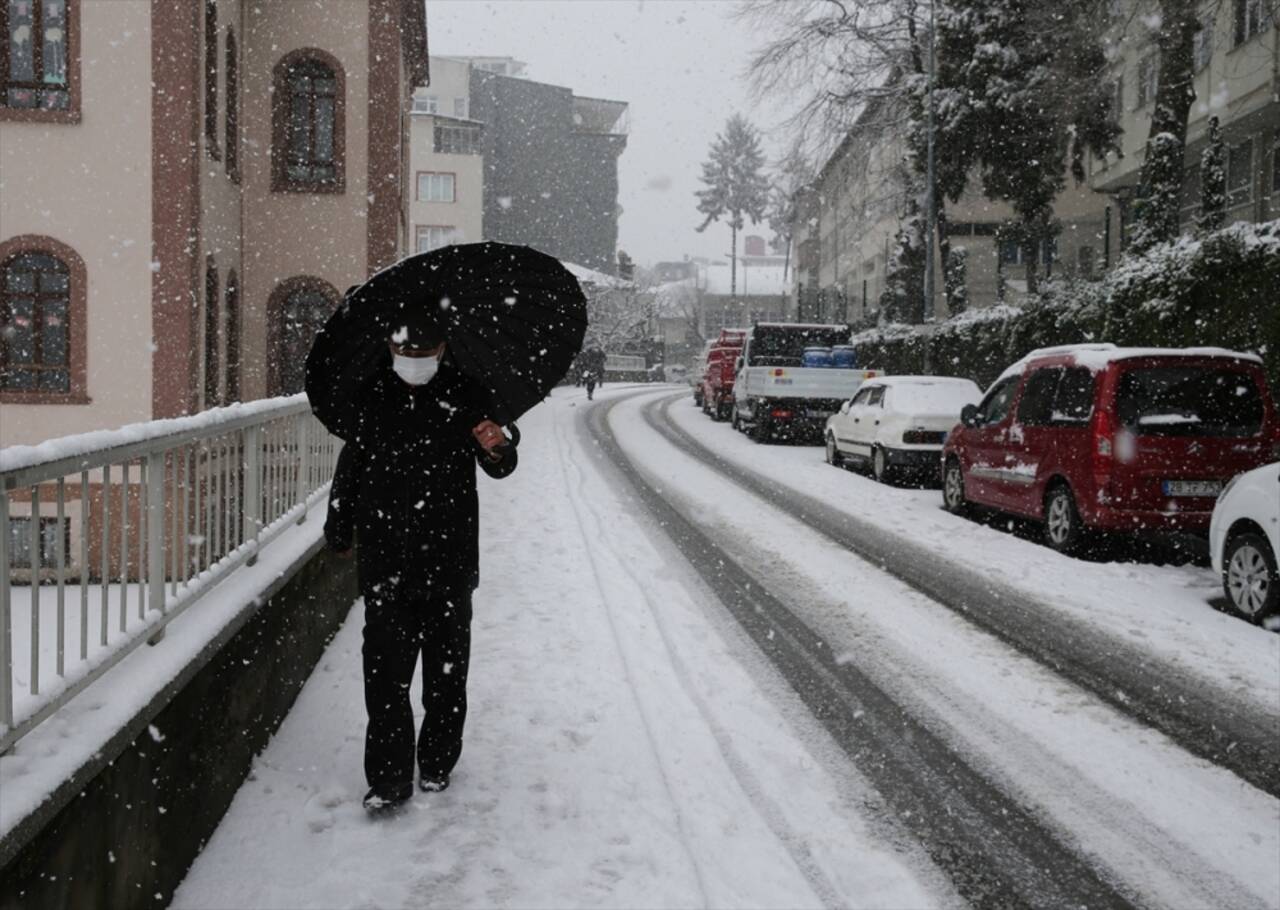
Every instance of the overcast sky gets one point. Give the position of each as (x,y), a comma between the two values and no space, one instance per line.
(678,63)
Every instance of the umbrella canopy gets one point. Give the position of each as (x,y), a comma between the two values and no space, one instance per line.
(512,318)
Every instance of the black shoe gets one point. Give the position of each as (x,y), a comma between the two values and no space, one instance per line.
(433,784)
(382,800)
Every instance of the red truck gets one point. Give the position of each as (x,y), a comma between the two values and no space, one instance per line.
(716,385)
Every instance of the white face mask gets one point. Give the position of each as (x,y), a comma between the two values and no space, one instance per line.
(415,370)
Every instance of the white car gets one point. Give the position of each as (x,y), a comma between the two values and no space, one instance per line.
(898,423)
(1244,540)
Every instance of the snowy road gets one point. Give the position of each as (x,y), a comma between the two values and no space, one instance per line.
(683,695)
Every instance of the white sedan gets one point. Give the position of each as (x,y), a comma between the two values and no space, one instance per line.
(898,423)
(1244,540)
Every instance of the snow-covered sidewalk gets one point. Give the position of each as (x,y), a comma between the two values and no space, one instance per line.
(621,751)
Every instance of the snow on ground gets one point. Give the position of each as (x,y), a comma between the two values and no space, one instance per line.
(1163,609)
(1175,828)
(619,753)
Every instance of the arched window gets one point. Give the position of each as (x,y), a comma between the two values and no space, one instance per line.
(232,105)
(308,146)
(298,310)
(211,78)
(40,79)
(212,322)
(231,315)
(42,315)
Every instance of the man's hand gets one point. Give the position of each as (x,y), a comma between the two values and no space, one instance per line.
(489,435)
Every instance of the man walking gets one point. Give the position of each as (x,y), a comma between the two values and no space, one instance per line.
(404,494)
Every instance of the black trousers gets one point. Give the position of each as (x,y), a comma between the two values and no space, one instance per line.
(398,627)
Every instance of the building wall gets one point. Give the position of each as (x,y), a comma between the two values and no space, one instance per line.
(1236,83)
(546,184)
(320,235)
(100,169)
(466,213)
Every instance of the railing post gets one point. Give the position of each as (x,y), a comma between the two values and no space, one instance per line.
(304,462)
(6,626)
(155,536)
(252,486)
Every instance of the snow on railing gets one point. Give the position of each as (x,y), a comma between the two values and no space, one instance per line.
(105,537)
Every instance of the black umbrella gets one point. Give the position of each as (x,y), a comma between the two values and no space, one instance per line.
(513,320)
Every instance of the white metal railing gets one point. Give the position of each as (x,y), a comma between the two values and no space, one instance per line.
(106,537)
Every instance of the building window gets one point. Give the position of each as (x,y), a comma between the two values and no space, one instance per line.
(1202,52)
(426,104)
(457,140)
(1147,76)
(298,310)
(212,322)
(460,108)
(308,136)
(42,313)
(211,78)
(1240,173)
(232,125)
(50,542)
(39,60)
(433,236)
(231,331)
(434,187)
(1251,18)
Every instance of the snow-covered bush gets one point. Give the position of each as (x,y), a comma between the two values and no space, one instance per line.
(1222,289)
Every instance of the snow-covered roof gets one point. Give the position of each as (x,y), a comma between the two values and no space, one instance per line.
(920,380)
(753,280)
(599,279)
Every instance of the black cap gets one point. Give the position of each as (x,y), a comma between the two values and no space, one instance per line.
(416,329)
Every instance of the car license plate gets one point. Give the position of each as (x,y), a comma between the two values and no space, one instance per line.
(1192,487)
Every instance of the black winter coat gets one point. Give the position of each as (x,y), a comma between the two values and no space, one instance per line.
(405,484)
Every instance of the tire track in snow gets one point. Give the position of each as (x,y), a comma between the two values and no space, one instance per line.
(1202,719)
(603,589)
(996,853)
(766,808)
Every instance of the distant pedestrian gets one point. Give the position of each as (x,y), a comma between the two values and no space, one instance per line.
(404,495)
(589,380)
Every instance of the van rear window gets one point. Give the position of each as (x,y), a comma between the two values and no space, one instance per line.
(1189,401)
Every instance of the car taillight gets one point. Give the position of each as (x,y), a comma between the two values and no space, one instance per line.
(780,412)
(1103,452)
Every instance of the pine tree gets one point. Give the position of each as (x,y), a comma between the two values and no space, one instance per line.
(956,280)
(1159,200)
(1022,96)
(903,296)
(736,187)
(1213,181)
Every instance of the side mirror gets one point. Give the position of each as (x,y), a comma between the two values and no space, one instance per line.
(969,415)
(737,365)
(844,408)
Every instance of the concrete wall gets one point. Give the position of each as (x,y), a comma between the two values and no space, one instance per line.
(147,807)
(88,185)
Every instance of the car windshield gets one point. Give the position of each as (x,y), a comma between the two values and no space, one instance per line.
(1189,401)
(933,397)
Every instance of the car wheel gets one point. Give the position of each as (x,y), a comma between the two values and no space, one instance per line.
(1063,529)
(759,431)
(953,488)
(834,456)
(1249,576)
(734,421)
(880,468)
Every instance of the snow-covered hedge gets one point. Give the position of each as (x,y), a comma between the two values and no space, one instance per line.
(1222,289)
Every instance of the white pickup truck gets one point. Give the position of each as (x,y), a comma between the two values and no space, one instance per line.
(776,395)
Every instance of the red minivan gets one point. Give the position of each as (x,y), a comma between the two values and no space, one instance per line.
(1117,439)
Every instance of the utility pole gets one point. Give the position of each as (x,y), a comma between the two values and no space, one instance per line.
(930,207)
